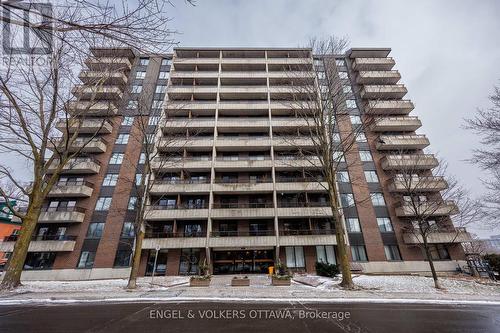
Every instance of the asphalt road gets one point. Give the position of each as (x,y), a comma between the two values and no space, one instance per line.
(248,317)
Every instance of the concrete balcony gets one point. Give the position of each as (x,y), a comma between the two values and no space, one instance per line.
(460,235)
(97,92)
(242,122)
(85,126)
(42,244)
(247,211)
(175,144)
(103,77)
(194,61)
(243,61)
(161,213)
(392,91)
(297,185)
(81,189)
(178,89)
(161,187)
(78,166)
(171,164)
(291,122)
(243,92)
(176,106)
(396,124)
(282,163)
(417,184)
(378,77)
(307,238)
(173,242)
(109,63)
(403,107)
(292,141)
(97,108)
(406,142)
(94,145)
(303,210)
(68,215)
(367,52)
(243,105)
(427,209)
(289,61)
(241,241)
(373,64)
(196,123)
(242,142)
(409,162)
(176,74)
(242,164)
(241,187)
(107,52)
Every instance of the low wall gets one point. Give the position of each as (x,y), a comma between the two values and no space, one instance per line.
(76,274)
(410,266)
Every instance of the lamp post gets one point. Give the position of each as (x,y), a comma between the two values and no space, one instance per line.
(154,265)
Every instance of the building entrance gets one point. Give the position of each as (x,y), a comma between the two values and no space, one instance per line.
(242,262)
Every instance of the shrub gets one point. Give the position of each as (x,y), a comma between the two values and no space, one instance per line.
(493,260)
(324,269)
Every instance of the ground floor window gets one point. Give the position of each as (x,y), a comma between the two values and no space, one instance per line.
(326,254)
(161,262)
(241,262)
(39,260)
(392,252)
(189,261)
(86,259)
(295,257)
(439,252)
(358,253)
(122,258)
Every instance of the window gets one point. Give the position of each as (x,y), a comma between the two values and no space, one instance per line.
(295,256)
(138,179)
(343,177)
(365,156)
(371,176)
(128,230)
(131,203)
(122,258)
(142,158)
(338,156)
(144,61)
(340,62)
(347,199)
(153,120)
(160,89)
(343,75)
(358,253)
(189,261)
(377,199)
(140,75)
(321,75)
(355,120)
(122,139)
(438,252)
(127,121)
(351,104)
(326,254)
(110,179)
(347,89)
(103,203)
(163,75)
(384,224)
(157,104)
(148,139)
(136,89)
(352,224)
(86,259)
(336,137)
(166,62)
(392,252)
(116,158)
(132,104)
(361,137)
(95,230)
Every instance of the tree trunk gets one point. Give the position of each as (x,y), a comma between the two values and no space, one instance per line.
(12,278)
(431,264)
(136,260)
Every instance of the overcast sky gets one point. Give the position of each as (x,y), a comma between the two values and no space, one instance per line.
(448,52)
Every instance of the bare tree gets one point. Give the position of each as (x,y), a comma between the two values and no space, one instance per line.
(34,98)
(486,124)
(320,102)
(427,202)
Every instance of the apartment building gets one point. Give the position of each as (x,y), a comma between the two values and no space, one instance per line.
(230,187)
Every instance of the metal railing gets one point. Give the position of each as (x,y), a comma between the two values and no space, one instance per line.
(286,204)
(13,238)
(75,183)
(175,234)
(299,179)
(307,232)
(182,181)
(64,209)
(243,205)
(178,206)
(242,233)
(242,181)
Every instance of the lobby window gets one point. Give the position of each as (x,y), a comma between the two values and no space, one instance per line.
(392,252)
(326,254)
(377,199)
(86,259)
(371,176)
(352,224)
(131,203)
(358,253)
(128,230)
(122,139)
(110,179)
(144,61)
(122,258)
(95,230)
(295,257)
(140,75)
(116,158)
(189,261)
(347,199)
(384,224)
(103,203)
(127,121)
(163,75)
(355,120)
(343,177)
(365,156)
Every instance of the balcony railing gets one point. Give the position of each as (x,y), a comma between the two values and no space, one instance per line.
(299,179)
(243,205)
(174,234)
(242,181)
(306,232)
(75,183)
(64,209)
(13,238)
(178,206)
(242,233)
(285,204)
(181,181)
(242,158)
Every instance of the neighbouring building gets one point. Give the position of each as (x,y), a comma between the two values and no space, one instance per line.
(233,192)
(9,228)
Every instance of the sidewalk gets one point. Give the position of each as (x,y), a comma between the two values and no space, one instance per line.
(382,289)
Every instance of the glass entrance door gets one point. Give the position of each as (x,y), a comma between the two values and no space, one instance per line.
(242,262)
